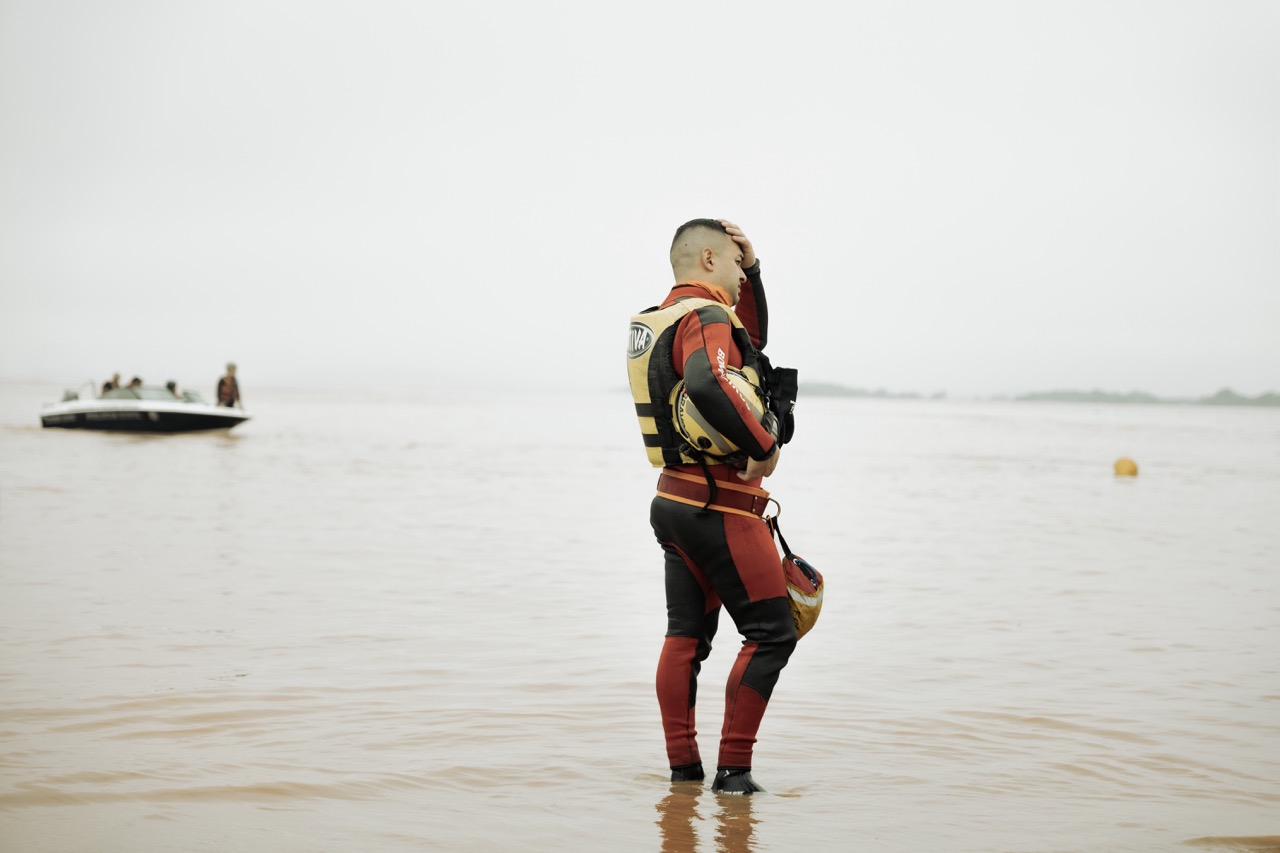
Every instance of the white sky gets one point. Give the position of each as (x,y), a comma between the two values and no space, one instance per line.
(977,198)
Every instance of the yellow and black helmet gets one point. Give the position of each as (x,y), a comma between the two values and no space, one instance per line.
(698,432)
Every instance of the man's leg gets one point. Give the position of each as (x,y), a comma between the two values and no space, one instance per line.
(692,616)
(744,569)
(769,637)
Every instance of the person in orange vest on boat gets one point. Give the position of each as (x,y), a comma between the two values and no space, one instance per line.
(228,393)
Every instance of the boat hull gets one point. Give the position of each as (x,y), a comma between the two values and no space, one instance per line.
(140,418)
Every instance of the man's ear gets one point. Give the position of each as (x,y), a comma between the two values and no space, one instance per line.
(708,258)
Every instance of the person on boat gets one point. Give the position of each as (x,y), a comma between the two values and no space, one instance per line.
(135,382)
(111,384)
(718,550)
(228,393)
(172,386)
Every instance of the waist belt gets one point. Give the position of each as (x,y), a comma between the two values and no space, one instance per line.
(730,497)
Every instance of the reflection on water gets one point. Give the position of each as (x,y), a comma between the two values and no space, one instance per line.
(680,821)
(735,824)
(394,623)
(1250,844)
(678,817)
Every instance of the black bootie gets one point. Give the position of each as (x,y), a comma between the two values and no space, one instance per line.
(736,782)
(688,773)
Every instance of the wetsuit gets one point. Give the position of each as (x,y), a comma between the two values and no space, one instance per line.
(722,554)
(228,393)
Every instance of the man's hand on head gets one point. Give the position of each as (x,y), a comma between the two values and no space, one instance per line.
(748,253)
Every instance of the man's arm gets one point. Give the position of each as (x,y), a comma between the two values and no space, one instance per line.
(706,350)
(753,311)
(752,308)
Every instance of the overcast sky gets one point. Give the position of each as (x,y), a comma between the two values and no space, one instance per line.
(972,197)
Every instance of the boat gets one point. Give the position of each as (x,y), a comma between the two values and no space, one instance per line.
(145,408)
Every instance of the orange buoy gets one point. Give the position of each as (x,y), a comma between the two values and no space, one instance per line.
(1126,467)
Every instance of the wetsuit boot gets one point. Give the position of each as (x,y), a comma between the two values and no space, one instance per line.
(736,780)
(688,773)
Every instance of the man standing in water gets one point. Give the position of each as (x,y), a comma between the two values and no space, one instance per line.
(228,393)
(707,513)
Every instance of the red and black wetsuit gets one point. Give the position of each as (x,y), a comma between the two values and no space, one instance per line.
(716,558)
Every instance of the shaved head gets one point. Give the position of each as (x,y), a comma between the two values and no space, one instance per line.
(690,239)
(703,250)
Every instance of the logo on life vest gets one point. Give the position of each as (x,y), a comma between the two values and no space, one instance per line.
(639,339)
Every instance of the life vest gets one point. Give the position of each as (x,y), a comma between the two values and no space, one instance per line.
(654,380)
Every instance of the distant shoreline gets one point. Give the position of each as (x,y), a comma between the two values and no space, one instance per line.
(1224,397)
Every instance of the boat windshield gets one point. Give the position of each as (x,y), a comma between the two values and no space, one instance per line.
(150,392)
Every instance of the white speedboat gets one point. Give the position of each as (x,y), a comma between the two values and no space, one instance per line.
(144,409)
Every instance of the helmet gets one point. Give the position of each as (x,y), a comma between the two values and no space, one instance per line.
(700,434)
